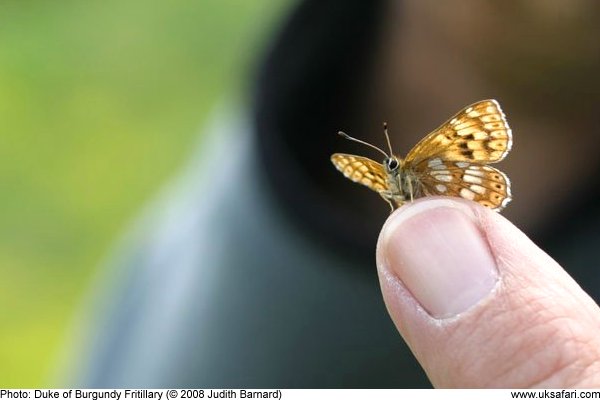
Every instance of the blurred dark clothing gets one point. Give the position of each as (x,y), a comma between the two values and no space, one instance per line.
(308,92)
(247,273)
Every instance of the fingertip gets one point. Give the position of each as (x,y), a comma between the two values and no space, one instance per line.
(435,248)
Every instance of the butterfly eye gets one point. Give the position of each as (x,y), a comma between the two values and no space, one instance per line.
(392,164)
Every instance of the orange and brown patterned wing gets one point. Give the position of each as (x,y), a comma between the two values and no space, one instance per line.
(478,134)
(480,183)
(361,170)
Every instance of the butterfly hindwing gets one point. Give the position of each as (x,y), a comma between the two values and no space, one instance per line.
(480,183)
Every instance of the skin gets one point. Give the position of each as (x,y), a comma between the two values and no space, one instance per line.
(513,318)
(520,320)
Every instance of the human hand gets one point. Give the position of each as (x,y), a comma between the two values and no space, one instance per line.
(480,305)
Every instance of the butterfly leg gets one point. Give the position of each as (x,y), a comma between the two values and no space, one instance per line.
(387,200)
(410,189)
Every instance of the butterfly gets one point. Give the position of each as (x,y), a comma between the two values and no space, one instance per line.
(450,161)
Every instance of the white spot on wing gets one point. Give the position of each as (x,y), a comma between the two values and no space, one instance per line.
(471,179)
(439,167)
(441,188)
(477,189)
(467,194)
(434,162)
(474,172)
(444,178)
(462,164)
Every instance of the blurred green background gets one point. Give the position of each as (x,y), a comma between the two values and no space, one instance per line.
(100,102)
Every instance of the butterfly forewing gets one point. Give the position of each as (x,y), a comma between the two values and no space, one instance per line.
(361,170)
(477,134)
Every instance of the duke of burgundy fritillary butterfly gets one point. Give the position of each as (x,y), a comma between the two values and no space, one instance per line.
(450,161)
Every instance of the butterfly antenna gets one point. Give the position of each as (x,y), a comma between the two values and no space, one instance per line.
(346,136)
(387,137)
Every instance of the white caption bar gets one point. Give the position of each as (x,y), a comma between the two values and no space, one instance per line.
(293,394)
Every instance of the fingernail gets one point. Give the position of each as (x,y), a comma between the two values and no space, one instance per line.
(440,254)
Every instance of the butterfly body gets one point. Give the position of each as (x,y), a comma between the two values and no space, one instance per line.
(450,161)
(401,183)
